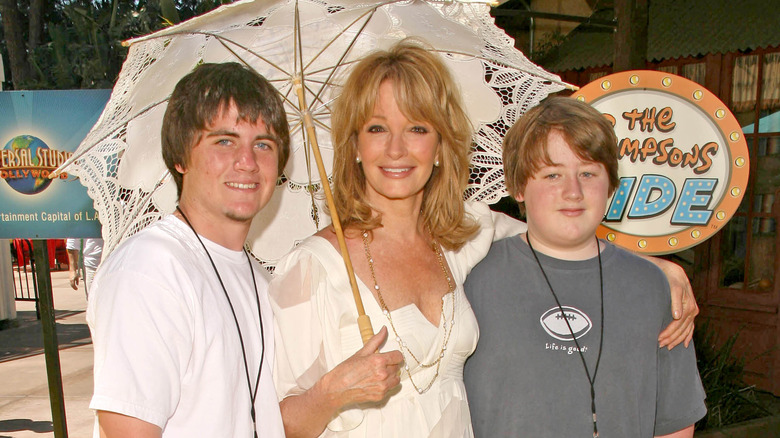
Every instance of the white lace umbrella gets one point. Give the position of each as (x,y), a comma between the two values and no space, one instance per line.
(304,46)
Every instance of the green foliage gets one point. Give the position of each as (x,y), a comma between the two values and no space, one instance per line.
(729,399)
(82,46)
(547,45)
(169,12)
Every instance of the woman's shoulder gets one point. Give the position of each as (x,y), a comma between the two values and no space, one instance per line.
(499,224)
(315,247)
(492,226)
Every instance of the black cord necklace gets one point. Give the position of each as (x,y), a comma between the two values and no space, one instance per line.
(252,393)
(591,379)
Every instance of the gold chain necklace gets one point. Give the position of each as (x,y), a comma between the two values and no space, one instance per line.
(447,327)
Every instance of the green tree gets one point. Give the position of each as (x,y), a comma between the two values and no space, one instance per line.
(62,44)
(14,38)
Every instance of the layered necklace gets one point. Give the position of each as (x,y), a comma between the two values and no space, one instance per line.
(252,392)
(445,324)
(591,379)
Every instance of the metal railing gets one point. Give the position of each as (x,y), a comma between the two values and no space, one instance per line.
(25,278)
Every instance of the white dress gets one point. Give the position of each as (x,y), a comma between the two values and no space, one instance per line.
(316,329)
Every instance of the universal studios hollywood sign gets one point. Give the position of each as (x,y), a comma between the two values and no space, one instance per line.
(684,162)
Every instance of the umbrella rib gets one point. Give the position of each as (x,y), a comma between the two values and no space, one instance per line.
(83,152)
(298,56)
(342,31)
(282,95)
(298,63)
(285,95)
(342,64)
(321,110)
(321,124)
(317,98)
(297,51)
(369,14)
(504,64)
(224,42)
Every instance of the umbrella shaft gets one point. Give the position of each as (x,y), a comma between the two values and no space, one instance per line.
(364,323)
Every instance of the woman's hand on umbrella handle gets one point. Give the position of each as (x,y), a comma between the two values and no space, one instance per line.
(367,376)
(684,307)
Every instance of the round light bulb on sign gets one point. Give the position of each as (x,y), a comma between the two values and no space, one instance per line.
(684,161)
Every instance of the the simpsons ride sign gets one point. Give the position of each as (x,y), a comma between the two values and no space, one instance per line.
(683,160)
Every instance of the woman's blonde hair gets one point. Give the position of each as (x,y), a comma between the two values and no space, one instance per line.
(425,91)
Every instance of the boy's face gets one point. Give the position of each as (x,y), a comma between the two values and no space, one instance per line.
(565,202)
(232,170)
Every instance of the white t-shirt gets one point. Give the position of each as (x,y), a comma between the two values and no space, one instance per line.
(167,350)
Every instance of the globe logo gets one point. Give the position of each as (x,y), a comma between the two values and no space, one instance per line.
(21,167)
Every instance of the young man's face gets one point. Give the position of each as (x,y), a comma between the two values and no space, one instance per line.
(232,170)
(565,202)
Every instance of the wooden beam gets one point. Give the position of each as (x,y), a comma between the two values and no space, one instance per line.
(631,35)
(497,12)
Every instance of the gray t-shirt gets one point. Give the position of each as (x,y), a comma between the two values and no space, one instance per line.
(526,378)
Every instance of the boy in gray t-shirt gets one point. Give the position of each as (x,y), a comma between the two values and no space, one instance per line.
(568,322)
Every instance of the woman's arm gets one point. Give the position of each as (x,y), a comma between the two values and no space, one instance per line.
(367,376)
(314,378)
(684,307)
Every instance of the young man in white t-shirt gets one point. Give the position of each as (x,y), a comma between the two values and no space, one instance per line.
(179,313)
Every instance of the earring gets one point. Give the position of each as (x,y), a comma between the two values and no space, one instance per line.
(357,160)
(436,163)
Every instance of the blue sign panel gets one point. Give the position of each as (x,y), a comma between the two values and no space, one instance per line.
(39,130)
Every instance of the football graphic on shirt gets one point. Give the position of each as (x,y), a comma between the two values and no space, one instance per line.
(554,323)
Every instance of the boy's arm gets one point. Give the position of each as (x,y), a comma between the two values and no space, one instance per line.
(684,307)
(683,433)
(142,338)
(113,425)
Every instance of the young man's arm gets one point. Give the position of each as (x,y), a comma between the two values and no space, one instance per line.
(113,425)
(141,335)
(683,433)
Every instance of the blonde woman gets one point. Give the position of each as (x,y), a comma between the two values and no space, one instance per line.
(401,140)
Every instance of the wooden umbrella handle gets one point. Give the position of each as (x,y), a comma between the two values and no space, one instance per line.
(364,322)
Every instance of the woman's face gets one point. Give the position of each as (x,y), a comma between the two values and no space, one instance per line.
(397,154)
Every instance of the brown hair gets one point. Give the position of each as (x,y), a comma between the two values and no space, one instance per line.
(203,94)
(425,91)
(589,134)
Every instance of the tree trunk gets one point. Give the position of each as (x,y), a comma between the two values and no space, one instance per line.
(36,23)
(14,40)
(631,35)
